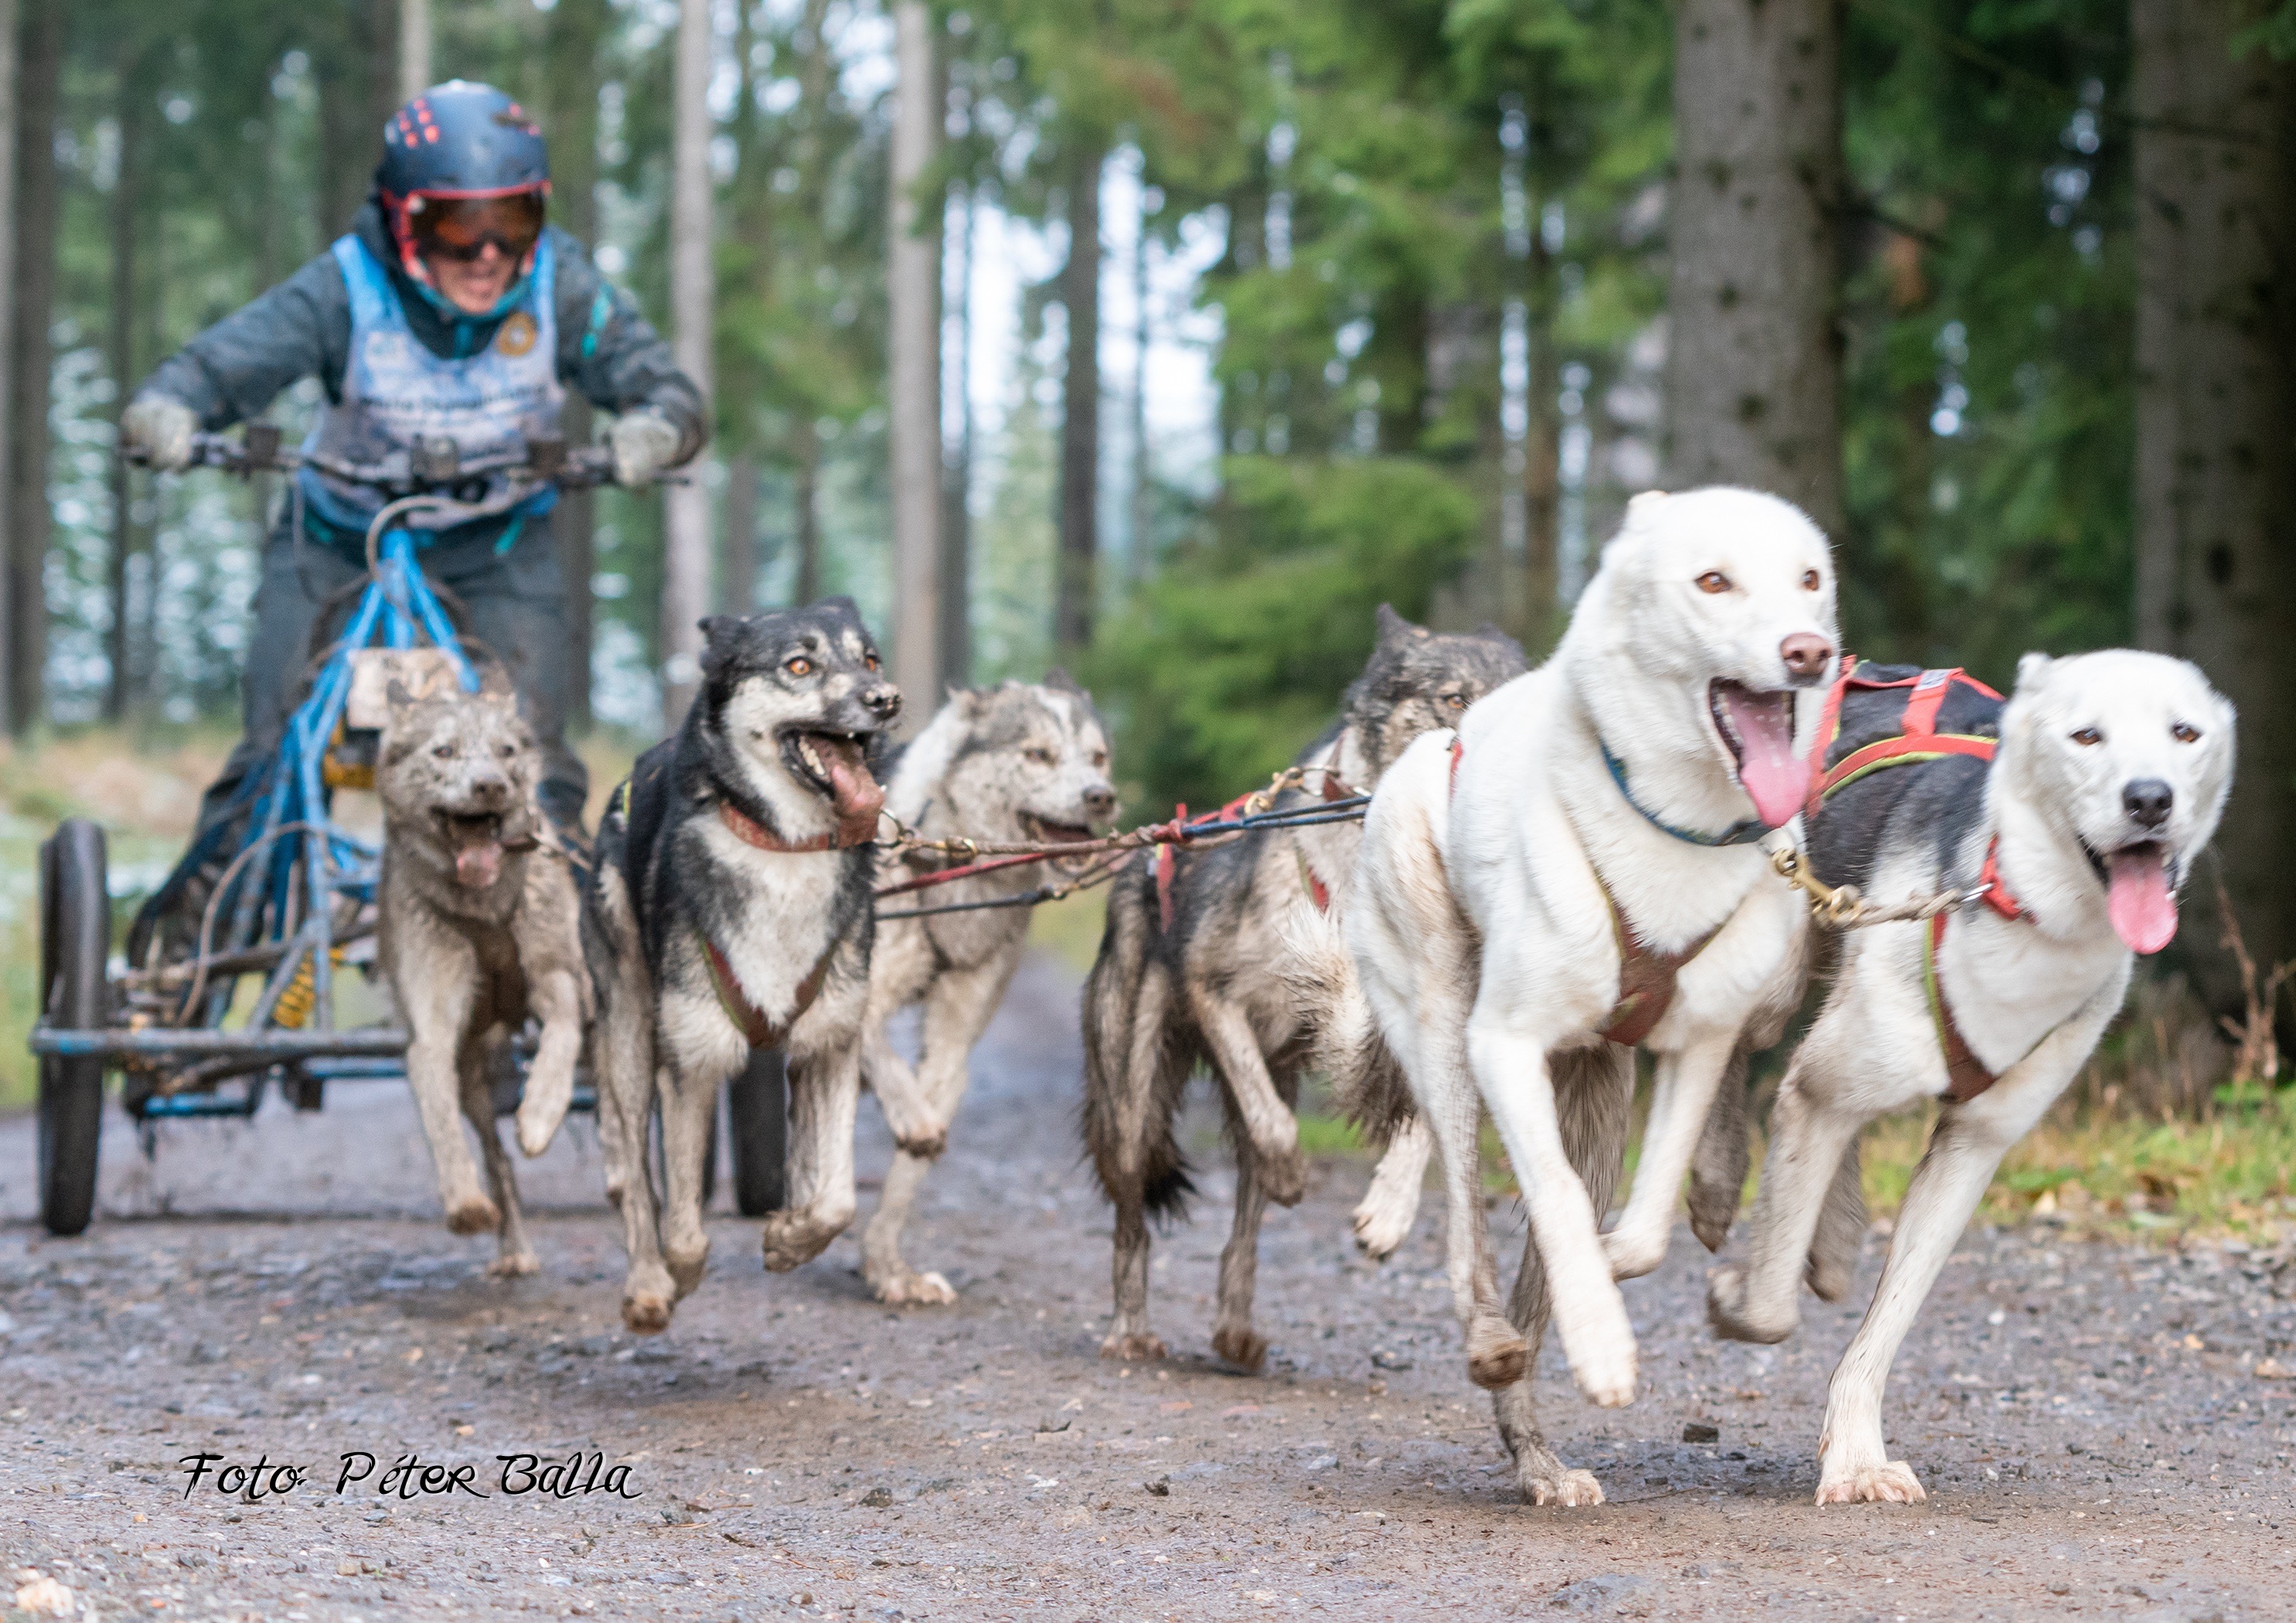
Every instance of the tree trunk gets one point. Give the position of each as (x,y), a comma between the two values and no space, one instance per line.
(685,526)
(38,200)
(1754,370)
(126,205)
(570,41)
(737,590)
(413,49)
(808,498)
(357,79)
(8,105)
(1137,544)
(957,513)
(913,342)
(1079,514)
(2215,485)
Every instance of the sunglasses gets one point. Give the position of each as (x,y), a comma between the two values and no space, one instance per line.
(459,228)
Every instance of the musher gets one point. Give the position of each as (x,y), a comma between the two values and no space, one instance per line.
(448,309)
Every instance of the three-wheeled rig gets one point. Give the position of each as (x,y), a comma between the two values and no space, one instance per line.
(289,893)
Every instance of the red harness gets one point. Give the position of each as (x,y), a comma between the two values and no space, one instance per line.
(749,830)
(748,1018)
(1646,977)
(1165,864)
(1918,741)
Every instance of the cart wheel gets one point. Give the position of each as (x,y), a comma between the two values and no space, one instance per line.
(75,936)
(757,1113)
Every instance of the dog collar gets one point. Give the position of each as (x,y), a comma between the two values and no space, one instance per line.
(749,830)
(1744,832)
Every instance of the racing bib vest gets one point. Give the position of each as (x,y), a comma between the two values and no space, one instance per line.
(396,391)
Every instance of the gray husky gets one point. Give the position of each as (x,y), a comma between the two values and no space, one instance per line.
(1191,971)
(1019,762)
(730,910)
(479,929)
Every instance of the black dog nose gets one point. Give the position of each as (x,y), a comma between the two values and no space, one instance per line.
(884,700)
(1100,800)
(2147,802)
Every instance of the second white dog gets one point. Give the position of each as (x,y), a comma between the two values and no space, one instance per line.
(1576,872)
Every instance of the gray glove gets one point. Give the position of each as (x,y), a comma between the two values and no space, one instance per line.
(157,432)
(644,442)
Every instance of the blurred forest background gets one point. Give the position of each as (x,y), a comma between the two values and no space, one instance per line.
(1219,322)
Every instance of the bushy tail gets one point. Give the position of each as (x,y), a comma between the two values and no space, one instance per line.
(1129,1118)
(1343,1035)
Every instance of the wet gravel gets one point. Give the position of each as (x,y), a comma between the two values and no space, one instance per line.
(2089,1419)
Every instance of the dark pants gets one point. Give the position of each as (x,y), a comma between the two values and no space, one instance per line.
(509,605)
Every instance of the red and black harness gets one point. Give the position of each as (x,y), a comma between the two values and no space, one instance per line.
(1947,713)
(1165,864)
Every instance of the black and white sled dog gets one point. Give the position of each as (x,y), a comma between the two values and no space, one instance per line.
(1021,762)
(2111,772)
(1191,971)
(1574,873)
(730,910)
(479,930)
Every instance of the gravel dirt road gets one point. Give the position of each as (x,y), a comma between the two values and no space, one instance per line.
(2089,1419)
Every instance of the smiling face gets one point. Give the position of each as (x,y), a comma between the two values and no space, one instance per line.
(801,699)
(464,767)
(2131,755)
(1729,595)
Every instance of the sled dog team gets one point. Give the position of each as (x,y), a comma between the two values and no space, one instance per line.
(1558,867)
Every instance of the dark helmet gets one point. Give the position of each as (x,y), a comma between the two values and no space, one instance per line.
(461,162)
(461,139)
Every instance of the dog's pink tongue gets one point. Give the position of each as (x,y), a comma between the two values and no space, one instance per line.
(2138,901)
(858,797)
(477,864)
(1767,769)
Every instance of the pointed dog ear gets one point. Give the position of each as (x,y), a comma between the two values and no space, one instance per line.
(2032,670)
(1059,681)
(495,682)
(1392,627)
(395,695)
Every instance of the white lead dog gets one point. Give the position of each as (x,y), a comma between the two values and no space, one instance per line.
(1577,872)
(2110,775)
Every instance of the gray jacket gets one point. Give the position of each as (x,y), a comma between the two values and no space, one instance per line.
(302,328)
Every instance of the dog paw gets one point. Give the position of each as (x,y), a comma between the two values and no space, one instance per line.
(686,1267)
(1631,1253)
(473,1214)
(1241,1345)
(1711,1213)
(1496,1356)
(904,1287)
(1141,1349)
(1726,1312)
(514,1265)
(1285,1176)
(614,1193)
(791,1240)
(1380,1229)
(1893,1483)
(1570,1489)
(646,1313)
(1603,1362)
(537,1129)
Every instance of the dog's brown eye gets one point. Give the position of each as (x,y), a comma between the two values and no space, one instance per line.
(1457,701)
(800,666)
(1810,580)
(1713,581)
(2185,733)
(1099,760)
(1043,757)
(505,750)
(445,752)
(2085,736)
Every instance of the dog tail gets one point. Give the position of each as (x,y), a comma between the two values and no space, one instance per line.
(1133,1076)
(1343,1035)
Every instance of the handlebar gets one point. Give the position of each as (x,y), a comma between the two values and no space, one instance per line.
(432,468)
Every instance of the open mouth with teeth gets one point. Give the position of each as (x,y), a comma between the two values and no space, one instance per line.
(1044,830)
(1758,731)
(837,765)
(476,839)
(2140,892)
